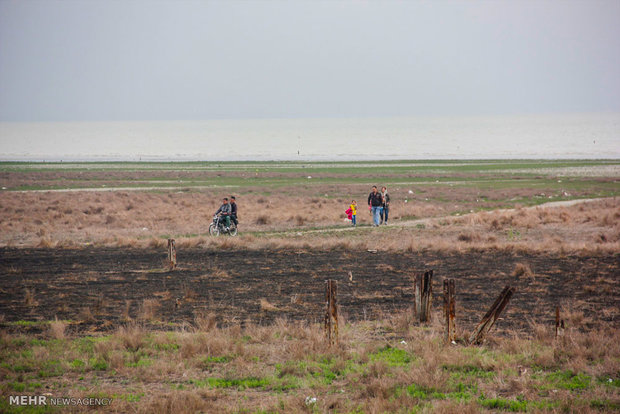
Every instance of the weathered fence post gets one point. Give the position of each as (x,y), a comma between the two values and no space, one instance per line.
(172,254)
(331,311)
(417,300)
(491,316)
(449,309)
(559,323)
(426,295)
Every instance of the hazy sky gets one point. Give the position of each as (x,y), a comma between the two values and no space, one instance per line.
(173,60)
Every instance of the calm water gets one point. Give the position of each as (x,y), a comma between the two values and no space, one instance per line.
(557,136)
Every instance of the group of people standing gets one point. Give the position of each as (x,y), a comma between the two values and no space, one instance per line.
(379,205)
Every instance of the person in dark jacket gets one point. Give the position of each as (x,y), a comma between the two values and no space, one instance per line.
(386,205)
(375,202)
(233,210)
(224,212)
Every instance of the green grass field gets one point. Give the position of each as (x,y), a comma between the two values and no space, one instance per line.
(597,176)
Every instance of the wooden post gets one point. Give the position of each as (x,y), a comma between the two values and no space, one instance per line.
(331,311)
(449,309)
(559,323)
(426,295)
(417,300)
(172,254)
(491,316)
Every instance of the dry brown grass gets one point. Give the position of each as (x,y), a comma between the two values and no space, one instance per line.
(265,305)
(205,322)
(110,218)
(29,298)
(522,270)
(358,374)
(57,329)
(131,336)
(148,311)
(125,316)
(86,315)
(589,227)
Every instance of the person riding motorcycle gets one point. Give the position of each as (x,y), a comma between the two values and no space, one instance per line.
(224,212)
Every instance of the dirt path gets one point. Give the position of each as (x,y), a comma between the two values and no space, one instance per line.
(428,220)
(107,189)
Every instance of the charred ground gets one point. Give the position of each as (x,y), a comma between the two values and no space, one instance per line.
(99,288)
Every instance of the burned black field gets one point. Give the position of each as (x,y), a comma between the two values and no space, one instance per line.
(96,289)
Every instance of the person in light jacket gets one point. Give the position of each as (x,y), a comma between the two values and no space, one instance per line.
(385,211)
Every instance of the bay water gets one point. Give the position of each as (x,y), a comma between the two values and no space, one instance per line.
(569,136)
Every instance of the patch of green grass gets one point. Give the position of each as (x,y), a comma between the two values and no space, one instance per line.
(503,404)
(238,383)
(27,323)
(608,381)
(98,364)
(51,368)
(142,362)
(394,357)
(421,393)
(78,364)
(17,367)
(129,397)
(86,344)
(568,380)
(17,386)
(285,383)
(217,359)
(604,404)
(495,174)
(324,372)
(461,392)
(468,371)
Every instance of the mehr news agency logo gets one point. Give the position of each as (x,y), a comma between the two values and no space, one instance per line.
(40,400)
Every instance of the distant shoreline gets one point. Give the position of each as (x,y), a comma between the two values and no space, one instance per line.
(51,160)
(567,137)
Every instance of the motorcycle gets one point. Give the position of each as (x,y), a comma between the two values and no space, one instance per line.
(218,227)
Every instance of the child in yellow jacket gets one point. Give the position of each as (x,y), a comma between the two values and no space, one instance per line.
(353,208)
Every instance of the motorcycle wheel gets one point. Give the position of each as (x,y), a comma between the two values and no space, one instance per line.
(233,230)
(214,230)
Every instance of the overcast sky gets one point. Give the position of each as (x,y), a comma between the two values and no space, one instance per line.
(175,60)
